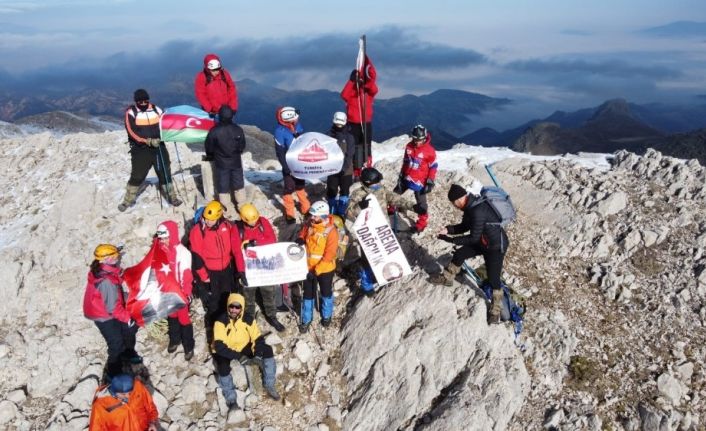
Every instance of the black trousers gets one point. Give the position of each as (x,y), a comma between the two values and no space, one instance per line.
(214,296)
(291,184)
(421,206)
(143,158)
(338,184)
(360,145)
(493,261)
(325,283)
(180,334)
(120,339)
(229,179)
(262,350)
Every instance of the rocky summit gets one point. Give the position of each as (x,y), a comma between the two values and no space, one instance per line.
(610,262)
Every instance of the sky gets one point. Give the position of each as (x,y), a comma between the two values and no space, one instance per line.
(542,54)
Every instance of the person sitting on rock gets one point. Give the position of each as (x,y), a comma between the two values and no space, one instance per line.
(146,150)
(418,172)
(289,128)
(371,180)
(212,262)
(224,145)
(181,331)
(124,404)
(237,337)
(485,237)
(338,185)
(104,303)
(320,238)
(254,230)
(214,86)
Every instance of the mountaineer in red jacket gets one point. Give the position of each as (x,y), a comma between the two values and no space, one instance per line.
(358,93)
(254,230)
(104,303)
(214,86)
(212,262)
(418,172)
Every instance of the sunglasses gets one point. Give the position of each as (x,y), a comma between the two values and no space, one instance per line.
(237,306)
(161,234)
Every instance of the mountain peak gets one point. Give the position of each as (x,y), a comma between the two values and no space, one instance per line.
(612,108)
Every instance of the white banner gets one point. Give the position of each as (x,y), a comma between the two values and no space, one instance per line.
(314,155)
(380,244)
(272,264)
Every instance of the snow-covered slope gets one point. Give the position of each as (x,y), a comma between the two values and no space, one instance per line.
(608,250)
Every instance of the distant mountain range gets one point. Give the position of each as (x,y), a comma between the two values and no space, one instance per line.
(616,124)
(444,112)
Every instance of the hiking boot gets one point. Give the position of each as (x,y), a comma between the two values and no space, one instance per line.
(304,327)
(369,293)
(272,392)
(279,327)
(326,322)
(445,277)
(172,348)
(129,198)
(495,312)
(232,405)
(188,355)
(170,192)
(135,360)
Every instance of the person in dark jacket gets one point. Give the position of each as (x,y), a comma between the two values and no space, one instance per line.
(338,185)
(485,237)
(225,144)
(104,303)
(237,337)
(146,150)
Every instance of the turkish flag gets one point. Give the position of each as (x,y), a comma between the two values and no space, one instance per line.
(153,290)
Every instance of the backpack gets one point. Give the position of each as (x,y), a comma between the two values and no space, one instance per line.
(500,202)
(513,306)
(343,238)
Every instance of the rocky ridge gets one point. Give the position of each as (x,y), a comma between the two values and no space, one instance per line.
(610,262)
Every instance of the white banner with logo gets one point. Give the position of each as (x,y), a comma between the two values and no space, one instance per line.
(314,155)
(272,264)
(380,244)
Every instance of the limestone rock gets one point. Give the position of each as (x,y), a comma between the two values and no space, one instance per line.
(8,412)
(302,351)
(423,361)
(670,388)
(613,204)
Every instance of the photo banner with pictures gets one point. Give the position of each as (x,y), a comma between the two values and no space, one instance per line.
(272,264)
(379,243)
(314,155)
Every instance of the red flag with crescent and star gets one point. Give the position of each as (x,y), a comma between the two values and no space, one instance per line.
(153,290)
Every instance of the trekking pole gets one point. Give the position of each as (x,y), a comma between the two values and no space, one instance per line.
(489,169)
(181,168)
(165,172)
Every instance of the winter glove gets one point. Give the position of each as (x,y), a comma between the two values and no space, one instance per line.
(249,243)
(153,142)
(130,323)
(428,187)
(364,203)
(399,188)
(207,158)
(311,276)
(446,238)
(299,242)
(391,209)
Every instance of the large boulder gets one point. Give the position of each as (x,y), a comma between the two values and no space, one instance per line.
(418,355)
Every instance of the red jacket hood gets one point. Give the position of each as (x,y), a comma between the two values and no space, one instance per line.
(173,230)
(210,57)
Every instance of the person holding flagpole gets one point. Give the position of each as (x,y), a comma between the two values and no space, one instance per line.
(359,93)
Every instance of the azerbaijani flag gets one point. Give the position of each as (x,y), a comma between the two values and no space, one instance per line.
(186,124)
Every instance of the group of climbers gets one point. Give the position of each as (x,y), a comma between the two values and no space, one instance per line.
(213,265)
